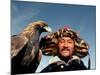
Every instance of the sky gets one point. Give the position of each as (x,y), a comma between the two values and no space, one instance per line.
(81,18)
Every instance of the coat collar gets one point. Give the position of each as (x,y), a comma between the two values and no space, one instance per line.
(56,59)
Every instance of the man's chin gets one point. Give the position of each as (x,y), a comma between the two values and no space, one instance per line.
(65,54)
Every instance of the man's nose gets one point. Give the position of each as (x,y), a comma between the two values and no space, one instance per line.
(65,44)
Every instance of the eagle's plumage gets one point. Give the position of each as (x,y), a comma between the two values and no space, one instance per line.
(25,47)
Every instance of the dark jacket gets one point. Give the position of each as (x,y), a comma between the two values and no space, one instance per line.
(61,66)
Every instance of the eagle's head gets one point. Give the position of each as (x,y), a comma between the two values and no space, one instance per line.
(38,25)
(42,26)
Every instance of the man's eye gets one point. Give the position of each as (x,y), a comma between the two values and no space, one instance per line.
(61,42)
(70,41)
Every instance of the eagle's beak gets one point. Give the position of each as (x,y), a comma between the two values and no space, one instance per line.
(48,29)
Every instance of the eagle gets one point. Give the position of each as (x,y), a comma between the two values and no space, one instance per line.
(25,53)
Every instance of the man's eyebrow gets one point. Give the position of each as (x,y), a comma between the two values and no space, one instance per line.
(65,39)
(62,39)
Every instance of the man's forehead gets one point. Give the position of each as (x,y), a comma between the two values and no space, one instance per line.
(65,38)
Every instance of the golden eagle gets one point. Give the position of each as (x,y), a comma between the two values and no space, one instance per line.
(25,48)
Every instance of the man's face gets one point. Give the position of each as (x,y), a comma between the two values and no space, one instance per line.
(66,46)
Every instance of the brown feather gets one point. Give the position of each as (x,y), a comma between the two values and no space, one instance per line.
(25,48)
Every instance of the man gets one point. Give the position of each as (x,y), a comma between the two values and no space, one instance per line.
(70,48)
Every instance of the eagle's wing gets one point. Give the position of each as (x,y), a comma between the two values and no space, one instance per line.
(17,43)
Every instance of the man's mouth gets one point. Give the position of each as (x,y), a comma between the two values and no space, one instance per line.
(65,49)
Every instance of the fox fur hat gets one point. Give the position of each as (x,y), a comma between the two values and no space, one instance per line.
(48,44)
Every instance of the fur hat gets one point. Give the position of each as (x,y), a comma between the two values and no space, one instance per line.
(48,44)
